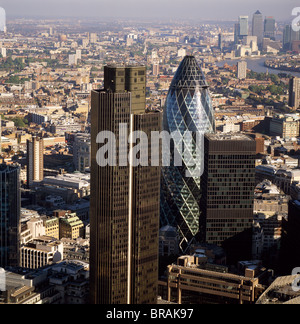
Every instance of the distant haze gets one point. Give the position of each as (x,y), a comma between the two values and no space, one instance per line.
(216,10)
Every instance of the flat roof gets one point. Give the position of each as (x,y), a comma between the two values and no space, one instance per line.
(229,137)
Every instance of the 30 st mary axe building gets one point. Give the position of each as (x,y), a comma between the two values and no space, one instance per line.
(227,200)
(10,208)
(188,110)
(124,212)
(35,160)
(258,26)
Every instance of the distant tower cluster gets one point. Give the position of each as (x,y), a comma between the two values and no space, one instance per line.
(227,187)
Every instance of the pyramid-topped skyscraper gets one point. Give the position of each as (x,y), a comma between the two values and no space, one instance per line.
(188,109)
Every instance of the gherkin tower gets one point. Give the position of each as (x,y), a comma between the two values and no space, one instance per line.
(188,109)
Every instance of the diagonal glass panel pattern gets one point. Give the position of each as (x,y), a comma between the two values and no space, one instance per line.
(188,108)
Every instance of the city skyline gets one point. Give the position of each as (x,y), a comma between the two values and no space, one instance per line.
(228,11)
(149,160)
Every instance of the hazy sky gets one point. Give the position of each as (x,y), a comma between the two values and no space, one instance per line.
(195,9)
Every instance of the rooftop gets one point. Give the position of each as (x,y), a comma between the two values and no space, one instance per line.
(228,137)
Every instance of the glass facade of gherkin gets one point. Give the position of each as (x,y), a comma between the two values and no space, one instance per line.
(188,109)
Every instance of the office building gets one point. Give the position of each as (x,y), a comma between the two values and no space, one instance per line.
(236,33)
(40,252)
(82,152)
(51,225)
(10,209)
(269,28)
(168,241)
(188,109)
(227,186)
(35,160)
(290,245)
(289,37)
(242,70)
(155,69)
(70,226)
(285,126)
(243,26)
(220,42)
(193,281)
(124,212)
(258,26)
(66,282)
(294,93)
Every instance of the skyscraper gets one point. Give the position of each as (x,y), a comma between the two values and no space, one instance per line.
(10,207)
(188,109)
(243,26)
(35,160)
(269,28)
(220,41)
(289,36)
(227,186)
(294,93)
(236,33)
(124,211)
(258,26)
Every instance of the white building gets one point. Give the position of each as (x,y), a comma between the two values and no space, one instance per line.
(72,59)
(41,252)
(242,70)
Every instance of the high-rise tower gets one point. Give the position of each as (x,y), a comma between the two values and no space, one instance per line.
(269,27)
(188,109)
(10,208)
(294,93)
(243,26)
(258,26)
(35,160)
(124,210)
(227,186)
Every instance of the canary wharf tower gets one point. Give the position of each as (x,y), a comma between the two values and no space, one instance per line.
(188,110)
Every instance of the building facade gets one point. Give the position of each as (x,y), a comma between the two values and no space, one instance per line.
(227,186)
(188,282)
(269,28)
(41,252)
(35,160)
(10,209)
(124,198)
(82,152)
(258,26)
(294,93)
(243,26)
(188,109)
(242,70)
